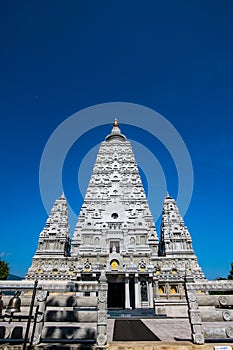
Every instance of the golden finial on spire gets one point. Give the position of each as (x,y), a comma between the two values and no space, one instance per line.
(115,122)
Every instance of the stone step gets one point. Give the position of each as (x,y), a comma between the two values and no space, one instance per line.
(71,316)
(68,301)
(148,312)
(68,332)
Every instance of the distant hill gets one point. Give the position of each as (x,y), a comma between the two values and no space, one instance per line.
(14,278)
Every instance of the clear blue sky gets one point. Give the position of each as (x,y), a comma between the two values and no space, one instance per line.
(58,57)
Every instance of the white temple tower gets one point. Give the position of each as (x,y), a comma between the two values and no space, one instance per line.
(54,242)
(115,221)
(175,238)
(116,232)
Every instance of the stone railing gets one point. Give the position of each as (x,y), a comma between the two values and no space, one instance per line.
(210,309)
(70,312)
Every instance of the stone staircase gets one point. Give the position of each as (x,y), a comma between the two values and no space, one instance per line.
(73,312)
(70,319)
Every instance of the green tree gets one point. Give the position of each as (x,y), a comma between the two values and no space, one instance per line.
(230,276)
(4,270)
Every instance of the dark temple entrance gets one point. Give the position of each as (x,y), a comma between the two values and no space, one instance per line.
(116,295)
(132,293)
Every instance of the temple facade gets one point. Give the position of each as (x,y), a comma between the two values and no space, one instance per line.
(115,232)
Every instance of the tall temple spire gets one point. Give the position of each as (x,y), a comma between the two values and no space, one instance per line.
(115,219)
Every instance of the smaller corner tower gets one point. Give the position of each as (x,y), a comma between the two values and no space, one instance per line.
(175,239)
(54,239)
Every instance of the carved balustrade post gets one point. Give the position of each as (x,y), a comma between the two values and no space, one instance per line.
(39,321)
(194,313)
(102,312)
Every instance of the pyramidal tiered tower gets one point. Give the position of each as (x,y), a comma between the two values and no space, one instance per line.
(115,221)
(175,237)
(115,232)
(54,242)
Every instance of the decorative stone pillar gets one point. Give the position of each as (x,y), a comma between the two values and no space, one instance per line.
(101,339)
(155,287)
(127,297)
(137,292)
(150,291)
(40,312)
